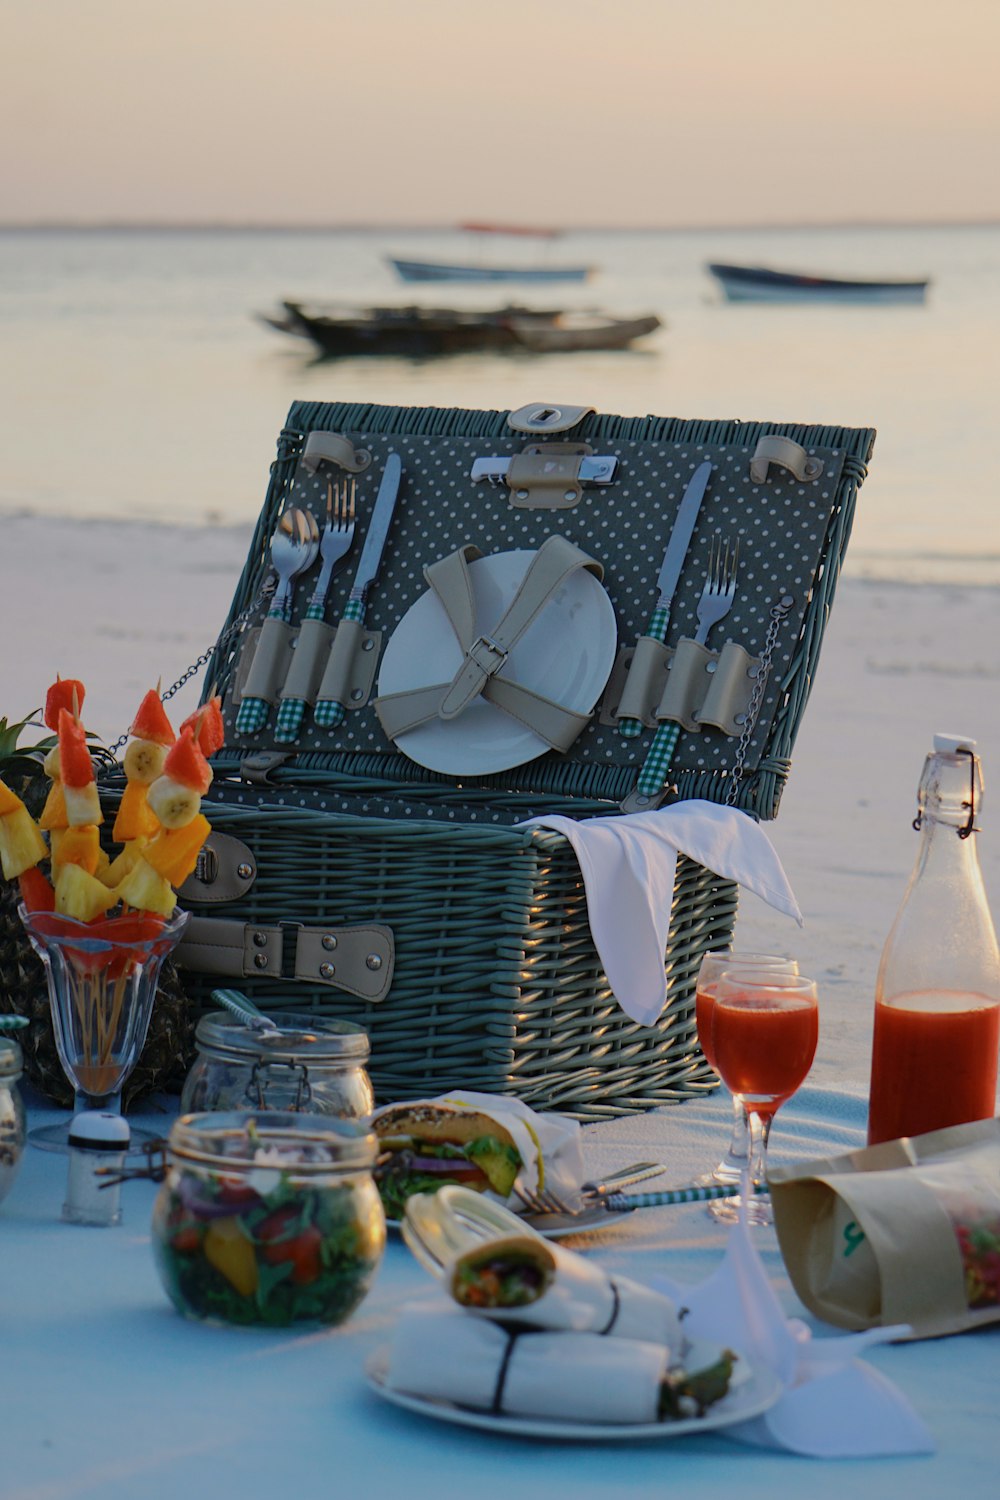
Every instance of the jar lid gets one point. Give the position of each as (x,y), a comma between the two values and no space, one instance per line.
(99,1130)
(304,1145)
(292,1039)
(11,1062)
(951,744)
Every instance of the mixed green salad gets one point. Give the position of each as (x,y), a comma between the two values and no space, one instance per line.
(293,1254)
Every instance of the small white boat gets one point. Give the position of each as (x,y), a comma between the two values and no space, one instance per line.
(762,284)
(432,270)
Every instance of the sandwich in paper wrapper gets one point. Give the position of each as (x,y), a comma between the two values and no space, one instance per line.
(485,1142)
(906,1232)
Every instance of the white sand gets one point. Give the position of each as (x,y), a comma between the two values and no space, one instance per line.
(119,605)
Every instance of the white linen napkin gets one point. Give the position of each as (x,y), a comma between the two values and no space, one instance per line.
(441,1353)
(834,1405)
(628,865)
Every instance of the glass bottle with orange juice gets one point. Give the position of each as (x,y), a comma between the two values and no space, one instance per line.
(937,996)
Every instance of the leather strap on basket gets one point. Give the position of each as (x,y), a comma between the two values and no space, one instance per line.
(555,561)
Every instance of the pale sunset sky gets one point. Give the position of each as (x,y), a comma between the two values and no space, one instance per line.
(563,112)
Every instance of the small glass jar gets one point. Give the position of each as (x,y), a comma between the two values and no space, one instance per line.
(300,1063)
(12,1131)
(268,1219)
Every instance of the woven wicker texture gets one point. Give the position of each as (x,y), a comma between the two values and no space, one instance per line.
(497,985)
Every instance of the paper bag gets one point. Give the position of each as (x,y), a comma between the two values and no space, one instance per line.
(904,1232)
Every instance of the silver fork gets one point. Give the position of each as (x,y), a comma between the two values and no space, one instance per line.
(334,545)
(720,587)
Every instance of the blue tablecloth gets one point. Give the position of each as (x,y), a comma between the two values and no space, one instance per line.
(108,1392)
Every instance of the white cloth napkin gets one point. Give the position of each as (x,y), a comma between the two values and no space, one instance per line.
(834,1405)
(441,1353)
(628,865)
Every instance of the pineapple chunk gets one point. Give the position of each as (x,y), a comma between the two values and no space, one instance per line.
(114,873)
(21,844)
(83,805)
(174,852)
(81,895)
(54,811)
(146,890)
(135,817)
(78,846)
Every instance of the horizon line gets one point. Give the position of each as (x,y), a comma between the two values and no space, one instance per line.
(182,226)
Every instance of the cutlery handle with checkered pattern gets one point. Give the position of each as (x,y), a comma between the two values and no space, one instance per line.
(329,714)
(630,729)
(657,762)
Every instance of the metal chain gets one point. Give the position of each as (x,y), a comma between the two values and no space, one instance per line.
(779,612)
(196,666)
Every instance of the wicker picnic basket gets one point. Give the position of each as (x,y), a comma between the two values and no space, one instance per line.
(344,879)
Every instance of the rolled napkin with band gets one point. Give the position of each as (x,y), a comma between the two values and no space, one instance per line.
(441,1354)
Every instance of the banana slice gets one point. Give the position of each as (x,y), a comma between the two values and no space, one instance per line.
(144,761)
(174,804)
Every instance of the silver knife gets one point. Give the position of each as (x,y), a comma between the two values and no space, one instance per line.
(327,713)
(670,570)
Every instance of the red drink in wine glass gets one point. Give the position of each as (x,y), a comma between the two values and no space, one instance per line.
(765,1026)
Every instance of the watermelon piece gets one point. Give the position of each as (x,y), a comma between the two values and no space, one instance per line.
(67,693)
(151,722)
(75,763)
(174,852)
(136,819)
(186,764)
(36,892)
(206,723)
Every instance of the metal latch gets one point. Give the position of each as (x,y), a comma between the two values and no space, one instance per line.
(594,468)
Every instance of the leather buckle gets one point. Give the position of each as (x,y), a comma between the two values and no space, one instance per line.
(487,655)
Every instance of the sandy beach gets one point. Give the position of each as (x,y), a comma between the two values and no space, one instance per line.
(120,604)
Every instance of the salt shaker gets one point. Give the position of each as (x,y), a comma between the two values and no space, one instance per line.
(98,1140)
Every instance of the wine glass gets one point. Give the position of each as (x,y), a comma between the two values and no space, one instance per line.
(713,966)
(102,979)
(765,1025)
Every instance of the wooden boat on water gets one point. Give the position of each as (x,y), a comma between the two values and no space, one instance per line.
(466,271)
(762,284)
(421,331)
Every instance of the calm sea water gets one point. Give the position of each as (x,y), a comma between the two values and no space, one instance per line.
(137,382)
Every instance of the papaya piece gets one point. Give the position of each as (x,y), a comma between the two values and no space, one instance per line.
(78,846)
(9,801)
(135,818)
(174,852)
(53,814)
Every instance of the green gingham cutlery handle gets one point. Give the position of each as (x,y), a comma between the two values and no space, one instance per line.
(252,713)
(291,711)
(329,714)
(630,729)
(657,762)
(622,1202)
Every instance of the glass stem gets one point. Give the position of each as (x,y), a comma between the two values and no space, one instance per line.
(739,1144)
(760,1129)
(110,1104)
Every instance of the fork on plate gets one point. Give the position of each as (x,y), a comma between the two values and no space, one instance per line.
(335,543)
(716,601)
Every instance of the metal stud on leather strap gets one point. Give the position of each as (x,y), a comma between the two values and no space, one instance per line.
(373,962)
(329,942)
(327,971)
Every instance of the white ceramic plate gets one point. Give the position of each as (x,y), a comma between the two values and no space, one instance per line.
(566,654)
(561,1226)
(751,1393)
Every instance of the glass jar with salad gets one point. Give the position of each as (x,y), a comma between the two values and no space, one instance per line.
(268,1219)
(293,1062)
(12,1132)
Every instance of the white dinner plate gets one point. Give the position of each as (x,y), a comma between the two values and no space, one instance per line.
(561,1226)
(566,654)
(752,1392)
